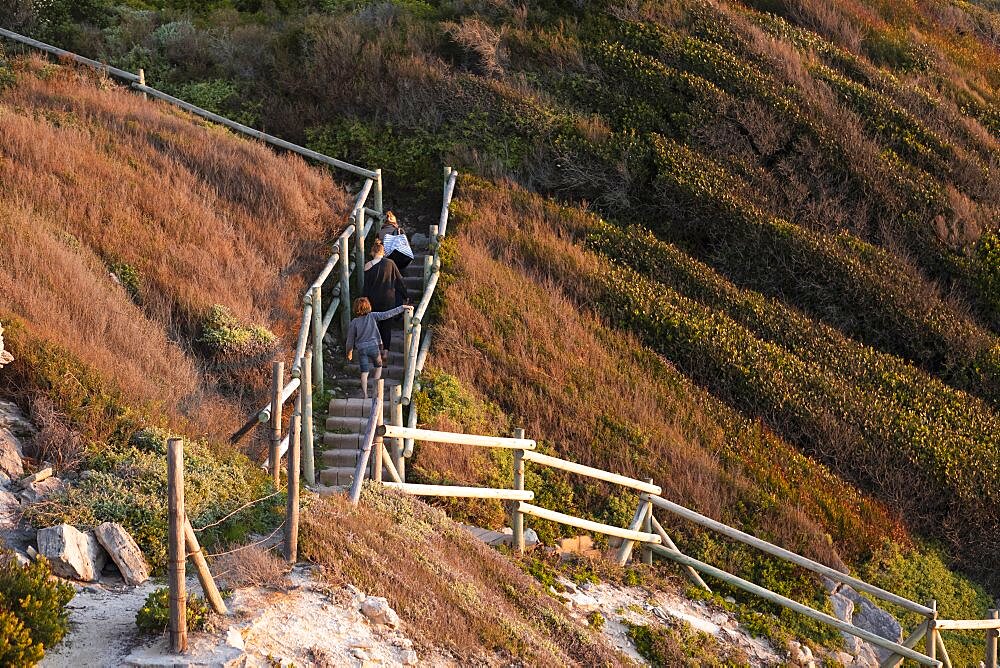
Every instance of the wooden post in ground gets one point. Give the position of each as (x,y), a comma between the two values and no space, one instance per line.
(292,511)
(204,574)
(647,526)
(991,641)
(379,443)
(308,456)
(345,298)
(517,517)
(428,266)
(317,337)
(142,81)
(930,640)
(175,547)
(396,405)
(407,336)
(447,175)
(638,519)
(378,191)
(277,385)
(359,247)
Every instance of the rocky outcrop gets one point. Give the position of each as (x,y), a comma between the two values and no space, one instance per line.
(124,552)
(377,610)
(41,490)
(853,608)
(10,509)
(5,356)
(72,553)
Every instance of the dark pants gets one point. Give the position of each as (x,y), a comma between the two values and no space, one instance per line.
(385,331)
(402,261)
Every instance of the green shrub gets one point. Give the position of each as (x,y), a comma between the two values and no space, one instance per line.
(129,485)
(130,279)
(680,645)
(154,615)
(33,615)
(223,336)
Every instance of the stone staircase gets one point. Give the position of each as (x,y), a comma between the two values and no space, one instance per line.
(347,416)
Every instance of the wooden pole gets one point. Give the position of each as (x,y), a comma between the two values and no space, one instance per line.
(308,456)
(407,337)
(516,516)
(204,574)
(942,650)
(175,547)
(359,248)
(378,444)
(317,337)
(378,191)
(625,550)
(894,660)
(345,297)
(292,511)
(991,641)
(647,526)
(277,379)
(668,543)
(930,640)
(142,81)
(396,403)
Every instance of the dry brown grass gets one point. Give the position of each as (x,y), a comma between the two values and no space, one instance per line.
(95,177)
(252,567)
(450,590)
(55,442)
(516,328)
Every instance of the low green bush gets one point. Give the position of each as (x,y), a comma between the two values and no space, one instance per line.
(224,337)
(33,615)
(154,615)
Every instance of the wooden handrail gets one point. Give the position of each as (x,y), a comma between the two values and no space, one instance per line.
(782,553)
(587,525)
(783,601)
(61,53)
(591,472)
(367,441)
(395,431)
(462,492)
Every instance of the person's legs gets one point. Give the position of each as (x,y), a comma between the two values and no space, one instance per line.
(364,363)
(372,360)
(385,331)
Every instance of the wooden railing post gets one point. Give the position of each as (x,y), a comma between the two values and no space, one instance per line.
(638,519)
(379,443)
(396,405)
(991,641)
(308,456)
(176,555)
(516,516)
(142,81)
(277,385)
(292,511)
(647,526)
(378,192)
(204,574)
(359,247)
(345,298)
(407,336)
(930,640)
(317,337)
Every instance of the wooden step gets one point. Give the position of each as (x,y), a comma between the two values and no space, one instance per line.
(343,423)
(355,407)
(332,440)
(335,458)
(337,475)
(393,371)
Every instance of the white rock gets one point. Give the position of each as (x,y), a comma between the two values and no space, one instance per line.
(234,638)
(377,610)
(72,553)
(39,491)
(584,602)
(10,508)
(11,455)
(124,552)
(530,537)
(409,658)
(729,599)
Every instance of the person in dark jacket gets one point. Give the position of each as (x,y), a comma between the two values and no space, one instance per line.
(385,289)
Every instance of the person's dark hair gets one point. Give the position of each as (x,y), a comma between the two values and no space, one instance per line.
(377,248)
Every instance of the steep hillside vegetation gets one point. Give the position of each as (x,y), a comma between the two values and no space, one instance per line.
(788,309)
(148,266)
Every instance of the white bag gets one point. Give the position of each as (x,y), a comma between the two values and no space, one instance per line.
(397,242)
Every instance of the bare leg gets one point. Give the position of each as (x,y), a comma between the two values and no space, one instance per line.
(364,384)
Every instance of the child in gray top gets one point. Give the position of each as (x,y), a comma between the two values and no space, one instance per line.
(363,336)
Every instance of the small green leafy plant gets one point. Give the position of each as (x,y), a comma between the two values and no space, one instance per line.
(154,615)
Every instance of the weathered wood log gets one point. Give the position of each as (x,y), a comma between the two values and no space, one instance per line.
(516,516)
(308,453)
(625,549)
(274,459)
(368,441)
(204,573)
(669,544)
(991,640)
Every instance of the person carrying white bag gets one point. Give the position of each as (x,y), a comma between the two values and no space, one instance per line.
(397,246)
